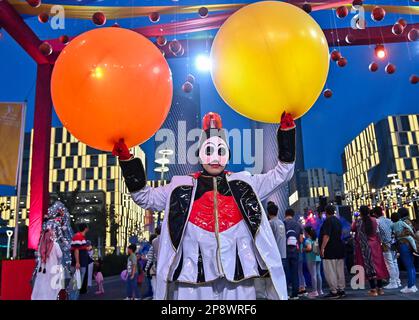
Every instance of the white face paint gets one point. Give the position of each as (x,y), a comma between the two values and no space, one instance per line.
(214,151)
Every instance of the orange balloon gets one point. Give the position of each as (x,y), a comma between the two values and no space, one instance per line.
(111,83)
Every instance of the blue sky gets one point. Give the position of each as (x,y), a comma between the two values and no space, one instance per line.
(359,96)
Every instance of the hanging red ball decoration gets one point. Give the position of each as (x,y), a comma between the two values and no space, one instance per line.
(357,3)
(187,87)
(45,48)
(190,78)
(116,25)
(34,3)
(99,18)
(403,22)
(349,38)
(175,46)
(161,41)
(390,68)
(378,13)
(373,66)
(414,79)
(342,12)
(180,53)
(43,17)
(64,39)
(413,35)
(397,29)
(360,24)
(203,12)
(335,55)
(154,17)
(327,93)
(307,7)
(342,62)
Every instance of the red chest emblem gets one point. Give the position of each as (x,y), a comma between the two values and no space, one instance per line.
(203,215)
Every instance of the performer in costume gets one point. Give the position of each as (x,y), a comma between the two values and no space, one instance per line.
(56,231)
(215,236)
(59,219)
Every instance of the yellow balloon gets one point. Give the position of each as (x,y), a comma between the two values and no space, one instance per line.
(270,57)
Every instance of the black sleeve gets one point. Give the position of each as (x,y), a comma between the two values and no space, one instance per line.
(134,174)
(286,145)
(301,230)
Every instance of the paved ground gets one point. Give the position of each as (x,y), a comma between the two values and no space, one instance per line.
(115,290)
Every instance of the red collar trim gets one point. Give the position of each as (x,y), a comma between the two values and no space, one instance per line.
(196,175)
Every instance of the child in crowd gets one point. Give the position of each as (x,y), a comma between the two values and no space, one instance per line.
(313,260)
(403,231)
(133,292)
(301,280)
(99,276)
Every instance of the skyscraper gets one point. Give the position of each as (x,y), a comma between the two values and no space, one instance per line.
(312,185)
(184,116)
(381,164)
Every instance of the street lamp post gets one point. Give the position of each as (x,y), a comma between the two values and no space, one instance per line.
(396,189)
(9,234)
(163,161)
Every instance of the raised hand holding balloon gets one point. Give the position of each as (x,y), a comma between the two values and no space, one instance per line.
(110,84)
(121,150)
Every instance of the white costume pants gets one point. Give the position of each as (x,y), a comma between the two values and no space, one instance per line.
(220,289)
(265,289)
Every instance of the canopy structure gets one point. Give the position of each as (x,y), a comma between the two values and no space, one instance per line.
(189,20)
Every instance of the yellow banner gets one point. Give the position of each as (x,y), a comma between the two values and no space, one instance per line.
(10,131)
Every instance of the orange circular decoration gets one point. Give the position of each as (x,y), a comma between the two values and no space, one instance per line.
(111,83)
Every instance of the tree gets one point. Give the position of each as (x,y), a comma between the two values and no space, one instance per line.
(3,207)
(112,223)
(68,198)
(97,225)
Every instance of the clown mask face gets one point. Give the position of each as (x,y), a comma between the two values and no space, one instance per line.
(214,155)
